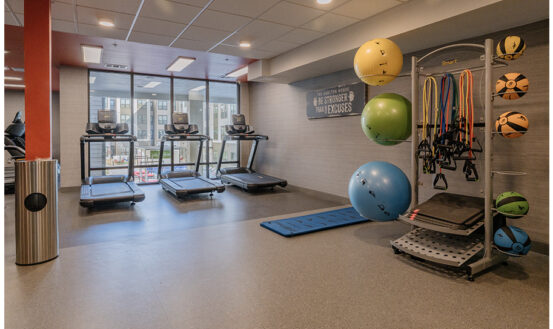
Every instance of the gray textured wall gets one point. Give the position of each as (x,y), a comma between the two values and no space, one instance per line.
(322,154)
(73,118)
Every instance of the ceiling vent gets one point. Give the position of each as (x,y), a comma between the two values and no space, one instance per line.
(116,66)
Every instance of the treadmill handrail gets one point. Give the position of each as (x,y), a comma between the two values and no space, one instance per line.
(245,137)
(102,138)
(184,137)
(108,138)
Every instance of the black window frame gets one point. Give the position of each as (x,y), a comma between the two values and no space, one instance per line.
(206,163)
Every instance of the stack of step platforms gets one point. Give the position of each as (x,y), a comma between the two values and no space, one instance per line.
(447,230)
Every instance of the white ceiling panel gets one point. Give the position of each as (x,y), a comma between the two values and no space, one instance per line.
(301,36)
(197,3)
(61,10)
(237,51)
(279,46)
(291,14)
(258,33)
(63,26)
(121,6)
(250,8)
(16,5)
(99,31)
(205,34)
(92,16)
(156,26)
(193,44)
(153,39)
(362,9)
(315,4)
(330,22)
(169,11)
(221,21)
(8,18)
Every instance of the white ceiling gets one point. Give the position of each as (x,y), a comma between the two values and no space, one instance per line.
(271,26)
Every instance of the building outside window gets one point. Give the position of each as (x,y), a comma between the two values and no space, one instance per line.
(147,113)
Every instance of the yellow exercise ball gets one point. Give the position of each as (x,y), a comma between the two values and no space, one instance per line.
(378,62)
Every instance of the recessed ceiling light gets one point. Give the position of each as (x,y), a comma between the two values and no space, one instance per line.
(152,84)
(154,94)
(200,88)
(245,44)
(91,80)
(106,22)
(324,2)
(237,73)
(13,78)
(14,86)
(180,64)
(92,54)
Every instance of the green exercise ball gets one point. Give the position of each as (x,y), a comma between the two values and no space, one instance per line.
(386,119)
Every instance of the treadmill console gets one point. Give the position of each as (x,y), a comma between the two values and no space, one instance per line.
(238,126)
(180,125)
(107,124)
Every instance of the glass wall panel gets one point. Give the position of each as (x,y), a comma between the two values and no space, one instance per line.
(109,90)
(223,103)
(147,109)
(151,110)
(189,97)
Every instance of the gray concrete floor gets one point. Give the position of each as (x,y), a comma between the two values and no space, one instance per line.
(208,264)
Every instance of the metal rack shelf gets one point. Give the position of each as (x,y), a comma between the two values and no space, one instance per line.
(441,248)
(442,229)
(429,241)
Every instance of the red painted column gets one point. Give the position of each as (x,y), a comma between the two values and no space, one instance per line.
(38,79)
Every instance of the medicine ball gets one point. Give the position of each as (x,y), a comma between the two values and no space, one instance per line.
(512,86)
(512,204)
(386,119)
(378,61)
(511,47)
(511,124)
(512,240)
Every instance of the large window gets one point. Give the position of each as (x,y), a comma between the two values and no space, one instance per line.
(109,91)
(144,103)
(149,93)
(223,103)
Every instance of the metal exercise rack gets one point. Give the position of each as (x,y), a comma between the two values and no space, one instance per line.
(466,249)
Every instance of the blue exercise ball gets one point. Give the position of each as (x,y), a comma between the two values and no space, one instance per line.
(513,240)
(379,191)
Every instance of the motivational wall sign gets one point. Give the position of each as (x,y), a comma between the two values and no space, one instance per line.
(336,101)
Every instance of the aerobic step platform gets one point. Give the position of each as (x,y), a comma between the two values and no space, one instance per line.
(289,227)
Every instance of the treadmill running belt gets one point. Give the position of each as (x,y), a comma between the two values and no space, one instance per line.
(190,183)
(255,178)
(109,189)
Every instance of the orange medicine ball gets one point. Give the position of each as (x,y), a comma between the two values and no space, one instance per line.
(511,124)
(512,86)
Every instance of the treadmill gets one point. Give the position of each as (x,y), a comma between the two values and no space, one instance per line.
(98,190)
(185,182)
(245,178)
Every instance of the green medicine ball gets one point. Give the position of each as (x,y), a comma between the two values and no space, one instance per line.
(512,204)
(386,119)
